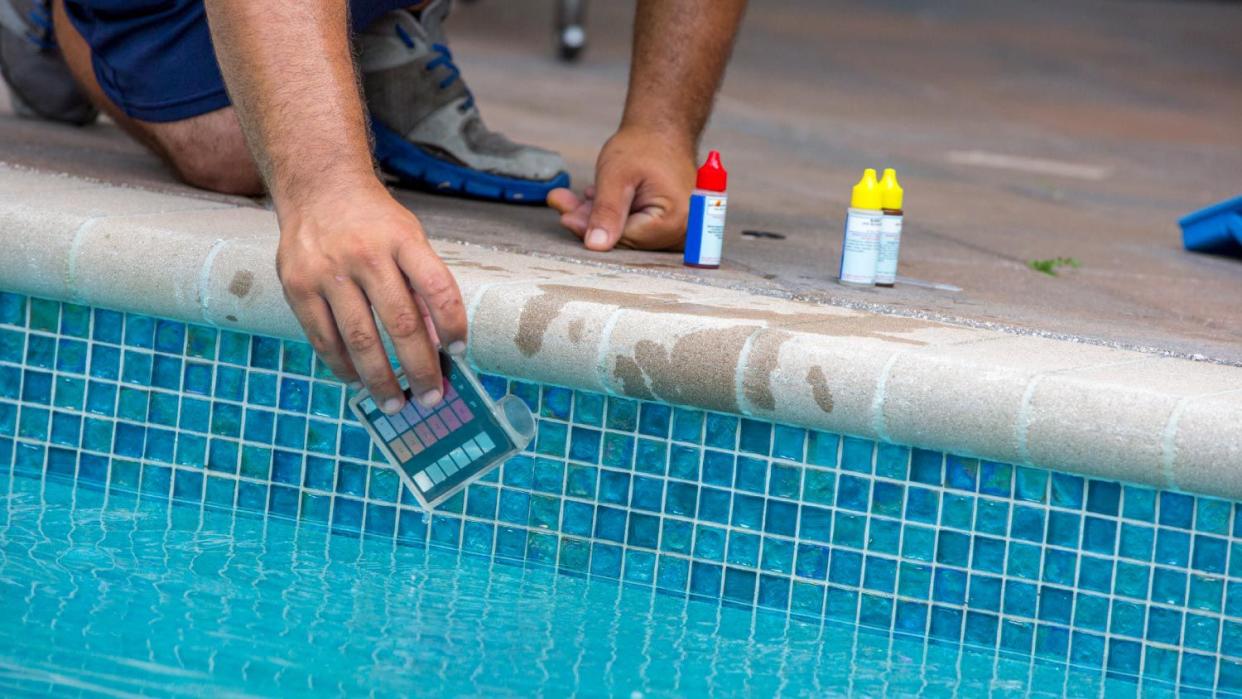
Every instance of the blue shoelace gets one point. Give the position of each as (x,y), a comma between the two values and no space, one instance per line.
(443,59)
(40,16)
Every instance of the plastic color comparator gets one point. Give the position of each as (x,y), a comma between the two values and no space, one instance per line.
(706,222)
(438,451)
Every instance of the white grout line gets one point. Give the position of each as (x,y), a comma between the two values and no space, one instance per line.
(204,277)
(878,423)
(1022,421)
(472,310)
(1168,442)
(605,344)
(739,372)
(71,263)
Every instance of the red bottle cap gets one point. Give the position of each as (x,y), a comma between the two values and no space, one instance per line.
(712,176)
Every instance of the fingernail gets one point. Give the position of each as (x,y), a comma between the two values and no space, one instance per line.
(392,406)
(431,398)
(355,385)
(597,238)
(457,347)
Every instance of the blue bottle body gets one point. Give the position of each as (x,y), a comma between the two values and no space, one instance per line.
(705,228)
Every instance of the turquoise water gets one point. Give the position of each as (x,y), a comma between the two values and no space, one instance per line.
(112,594)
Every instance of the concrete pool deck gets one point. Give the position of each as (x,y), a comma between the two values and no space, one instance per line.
(1047,141)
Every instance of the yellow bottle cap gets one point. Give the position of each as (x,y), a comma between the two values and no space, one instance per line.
(866,192)
(891,193)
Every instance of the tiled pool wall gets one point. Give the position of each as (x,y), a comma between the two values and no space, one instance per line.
(1036,563)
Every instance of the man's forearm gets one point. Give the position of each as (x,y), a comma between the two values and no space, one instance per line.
(291,76)
(681,48)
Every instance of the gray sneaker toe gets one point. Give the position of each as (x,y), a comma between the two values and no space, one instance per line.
(536,164)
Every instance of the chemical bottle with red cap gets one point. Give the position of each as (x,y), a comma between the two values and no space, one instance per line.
(706,222)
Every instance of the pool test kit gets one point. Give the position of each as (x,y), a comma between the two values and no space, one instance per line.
(438,451)
(872,242)
(705,224)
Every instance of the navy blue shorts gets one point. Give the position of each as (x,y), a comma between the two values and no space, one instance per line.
(154,58)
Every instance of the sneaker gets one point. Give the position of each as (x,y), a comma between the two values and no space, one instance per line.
(38,78)
(428,132)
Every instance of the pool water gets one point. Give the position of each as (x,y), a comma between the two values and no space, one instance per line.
(106,593)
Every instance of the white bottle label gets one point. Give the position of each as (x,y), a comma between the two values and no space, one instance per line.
(714,206)
(861,248)
(890,247)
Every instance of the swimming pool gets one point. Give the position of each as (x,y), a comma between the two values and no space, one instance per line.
(137,595)
(625,526)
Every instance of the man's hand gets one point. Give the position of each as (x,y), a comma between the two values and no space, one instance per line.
(645,172)
(342,255)
(643,181)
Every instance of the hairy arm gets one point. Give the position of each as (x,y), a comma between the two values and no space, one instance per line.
(646,170)
(681,48)
(291,78)
(345,245)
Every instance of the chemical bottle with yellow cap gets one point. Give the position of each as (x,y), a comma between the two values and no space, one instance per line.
(891,195)
(861,248)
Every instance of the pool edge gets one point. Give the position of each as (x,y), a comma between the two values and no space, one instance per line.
(1097,411)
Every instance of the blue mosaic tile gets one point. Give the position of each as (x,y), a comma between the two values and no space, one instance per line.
(926,467)
(819,487)
(1031,484)
(1176,510)
(957,511)
(588,408)
(788,442)
(69,392)
(555,402)
(44,315)
(10,381)
(822,448)
(618,451)
(961,473)
(107,326)
(139,331)
(1067,490)
(261,389)
(622,414)
(857,454)
(884,536)
(325,400)
(12,345)
(1064,528)
(12,309)
(40,351)
(651,456)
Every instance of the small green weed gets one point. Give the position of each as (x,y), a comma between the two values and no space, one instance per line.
(1050,267)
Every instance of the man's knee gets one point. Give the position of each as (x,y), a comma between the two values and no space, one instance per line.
(210,152)
(226,173)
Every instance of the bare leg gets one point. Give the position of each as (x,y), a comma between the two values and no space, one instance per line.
(206,151)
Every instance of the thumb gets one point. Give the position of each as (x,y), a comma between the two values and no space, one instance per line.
(613,197)
(563,200)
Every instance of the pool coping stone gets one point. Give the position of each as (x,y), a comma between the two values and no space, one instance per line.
(1098,411)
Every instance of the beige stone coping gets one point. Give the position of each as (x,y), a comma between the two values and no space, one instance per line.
(1094,410)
